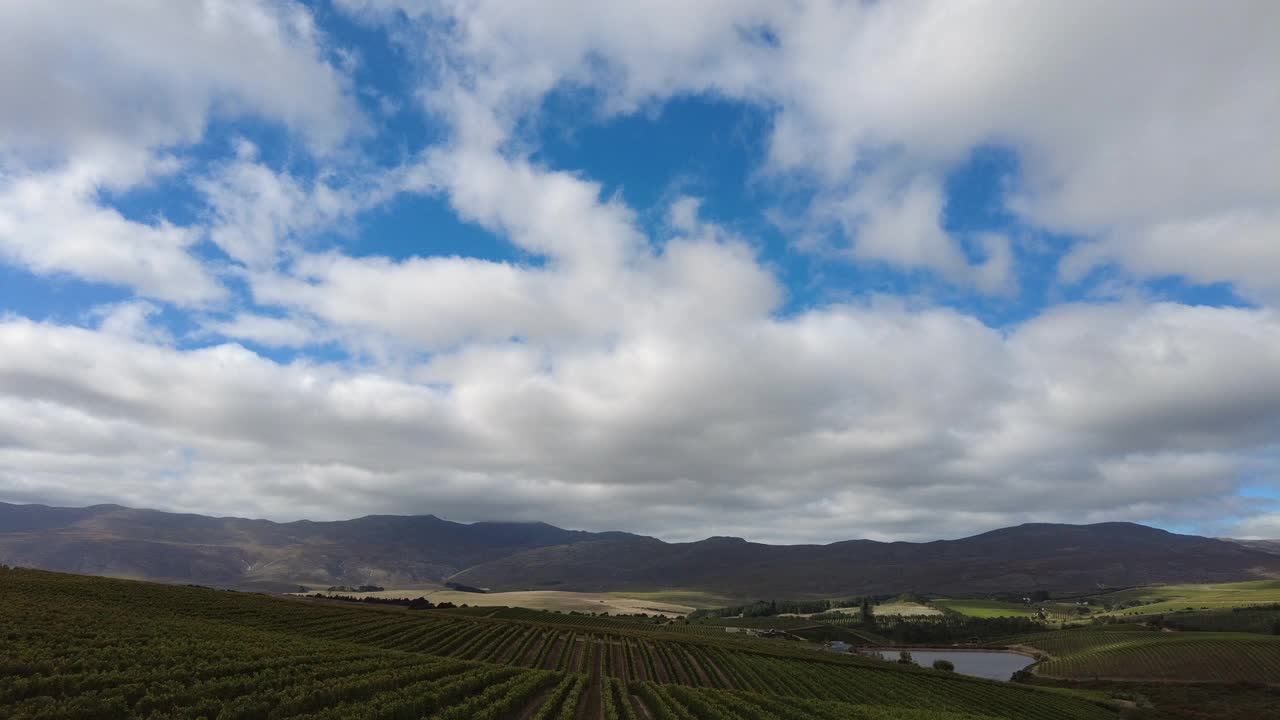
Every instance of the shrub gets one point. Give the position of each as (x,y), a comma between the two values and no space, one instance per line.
(941,664)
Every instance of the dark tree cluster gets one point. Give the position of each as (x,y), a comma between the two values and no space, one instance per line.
(951,628)
(418,603)
(769,608)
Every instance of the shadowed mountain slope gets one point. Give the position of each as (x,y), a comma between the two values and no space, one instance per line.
(1268,546)
(399,551)
(1035,556)
(234,552)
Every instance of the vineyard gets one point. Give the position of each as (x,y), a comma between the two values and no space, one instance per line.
(1161,599)
(1264,620)
(1131,653)
(78,647)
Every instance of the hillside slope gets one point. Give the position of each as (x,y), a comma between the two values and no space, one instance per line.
(234,552)
(1053,557)
(400,551)
(119,649)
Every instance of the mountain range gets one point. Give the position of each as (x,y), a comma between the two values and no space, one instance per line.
(400,551)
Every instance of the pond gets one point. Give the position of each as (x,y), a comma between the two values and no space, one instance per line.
(990,664)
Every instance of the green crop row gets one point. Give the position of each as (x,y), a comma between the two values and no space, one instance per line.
(92,647)
(1125,653)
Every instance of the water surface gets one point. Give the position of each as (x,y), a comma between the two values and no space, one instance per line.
(990,664)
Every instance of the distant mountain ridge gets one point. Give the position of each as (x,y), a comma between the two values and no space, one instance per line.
(1060,558)
(394,550)
(1269,546)
(236,552)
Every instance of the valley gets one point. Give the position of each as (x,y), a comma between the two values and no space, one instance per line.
(421,551)
(389,642)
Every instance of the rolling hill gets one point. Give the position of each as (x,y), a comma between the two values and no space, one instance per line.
(233,552)
(399,551)
(1059,558)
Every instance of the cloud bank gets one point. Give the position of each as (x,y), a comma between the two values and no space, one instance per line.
(245,340)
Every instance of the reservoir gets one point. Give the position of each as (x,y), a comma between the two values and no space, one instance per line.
(990,664)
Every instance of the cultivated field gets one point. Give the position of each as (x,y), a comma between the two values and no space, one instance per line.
(904,609)
(987,608)
(540,600)
(1263,619)
(1147,600)
(1171,598)
(688,598)
(1056,611)
(78,647)
(1140,654)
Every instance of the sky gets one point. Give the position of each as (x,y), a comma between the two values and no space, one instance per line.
(795,271)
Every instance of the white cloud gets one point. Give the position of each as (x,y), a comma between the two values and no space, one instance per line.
(902,227)
(151,74)
(1262,527)
(277,332)
(109,95)
(131,320)
(260,216)
(608,378)
(545,212)
(1242,247)
(699,279)
(836,423)
(53,223)
(1124,118)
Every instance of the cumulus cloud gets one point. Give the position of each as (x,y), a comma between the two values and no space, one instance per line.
(618,373)
(132,320)
(260,216)
(107,95)
(1123,118)
(52,222)
(835,423)
(131,74)
(1262,527)
(698,279)
(276,332)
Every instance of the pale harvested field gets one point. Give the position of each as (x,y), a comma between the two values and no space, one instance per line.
(541,600)
(900,609)
(907,609)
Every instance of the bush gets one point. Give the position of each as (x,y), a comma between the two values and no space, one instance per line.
(946,665)
(904,657)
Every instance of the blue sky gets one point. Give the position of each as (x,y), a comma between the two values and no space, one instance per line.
(795,274)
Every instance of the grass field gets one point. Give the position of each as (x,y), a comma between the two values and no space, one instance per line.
(1057,611)
(1172,598)
(987,608)
(79,647)
(1131,653)
(1148,600)
(611,603)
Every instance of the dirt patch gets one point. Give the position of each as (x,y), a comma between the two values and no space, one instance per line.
(637,672)
(552,660)
(593,704)
(580,647)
